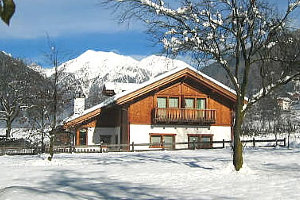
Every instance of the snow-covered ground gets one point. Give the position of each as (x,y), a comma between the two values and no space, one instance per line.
(268,173)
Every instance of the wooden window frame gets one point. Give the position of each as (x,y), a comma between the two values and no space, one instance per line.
(168,97)
(174,97)
(199,138)
(156,103)
(195,101)
(181,99)
(205,99)
(161,138)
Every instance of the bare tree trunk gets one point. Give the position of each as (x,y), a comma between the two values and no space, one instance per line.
(51,152)
(43,133)
(43,145)
(8,128)
(53,131)
(237,145)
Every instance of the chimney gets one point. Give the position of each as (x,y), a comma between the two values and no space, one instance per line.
(79,103)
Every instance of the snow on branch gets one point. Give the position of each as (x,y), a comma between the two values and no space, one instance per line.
(293,5)
(214,30)
(160,8)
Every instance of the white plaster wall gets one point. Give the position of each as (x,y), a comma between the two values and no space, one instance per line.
(140,133)
(221,132)
(94,134)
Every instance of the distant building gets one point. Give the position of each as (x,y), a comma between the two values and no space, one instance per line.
(284,103)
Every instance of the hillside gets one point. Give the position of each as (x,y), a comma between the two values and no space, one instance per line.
(19,86)
(217,72)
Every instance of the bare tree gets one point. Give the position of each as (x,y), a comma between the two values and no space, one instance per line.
(250,31)
(17,86)
(53,57)
(60,92)
(39,114)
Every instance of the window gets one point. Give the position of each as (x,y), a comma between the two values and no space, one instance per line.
(200,141)
(201,104)
(173,102)
(162,141)
(168,141)
(156,140)
(164,114)
(205,142)
(189,103)
(162,102)
(200,113)
(193,141)
(178,109)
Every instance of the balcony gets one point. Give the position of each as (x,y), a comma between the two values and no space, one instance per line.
(184,115)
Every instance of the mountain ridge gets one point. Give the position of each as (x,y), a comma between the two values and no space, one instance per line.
(92,69)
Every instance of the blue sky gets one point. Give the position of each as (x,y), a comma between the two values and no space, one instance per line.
(75,26)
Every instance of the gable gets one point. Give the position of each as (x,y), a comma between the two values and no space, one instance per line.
(181,88)
(188,76)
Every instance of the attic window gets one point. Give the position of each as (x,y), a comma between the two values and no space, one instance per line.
(189,103)
(173,102)
(162,102)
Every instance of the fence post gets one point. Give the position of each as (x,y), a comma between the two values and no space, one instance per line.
(223,143)
(284,142)
(253,142)
(132,148)
(288,141)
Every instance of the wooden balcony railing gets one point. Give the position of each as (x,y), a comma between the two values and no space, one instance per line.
(184,115)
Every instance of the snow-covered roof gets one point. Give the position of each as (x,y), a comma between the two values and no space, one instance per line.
(118,87)
(137,87)
(284,99)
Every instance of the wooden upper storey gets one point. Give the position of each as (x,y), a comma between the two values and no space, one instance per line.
(182,84)
(184,101)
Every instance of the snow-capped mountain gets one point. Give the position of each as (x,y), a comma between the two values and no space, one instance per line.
(94,68)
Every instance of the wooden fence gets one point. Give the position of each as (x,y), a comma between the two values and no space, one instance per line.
(142,147)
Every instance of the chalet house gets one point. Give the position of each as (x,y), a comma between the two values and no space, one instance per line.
(182,105)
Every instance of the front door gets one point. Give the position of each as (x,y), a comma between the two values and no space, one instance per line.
(82,136)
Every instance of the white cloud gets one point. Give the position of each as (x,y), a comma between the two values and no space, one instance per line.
(34,18)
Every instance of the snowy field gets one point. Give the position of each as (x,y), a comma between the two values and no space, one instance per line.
(268,173)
